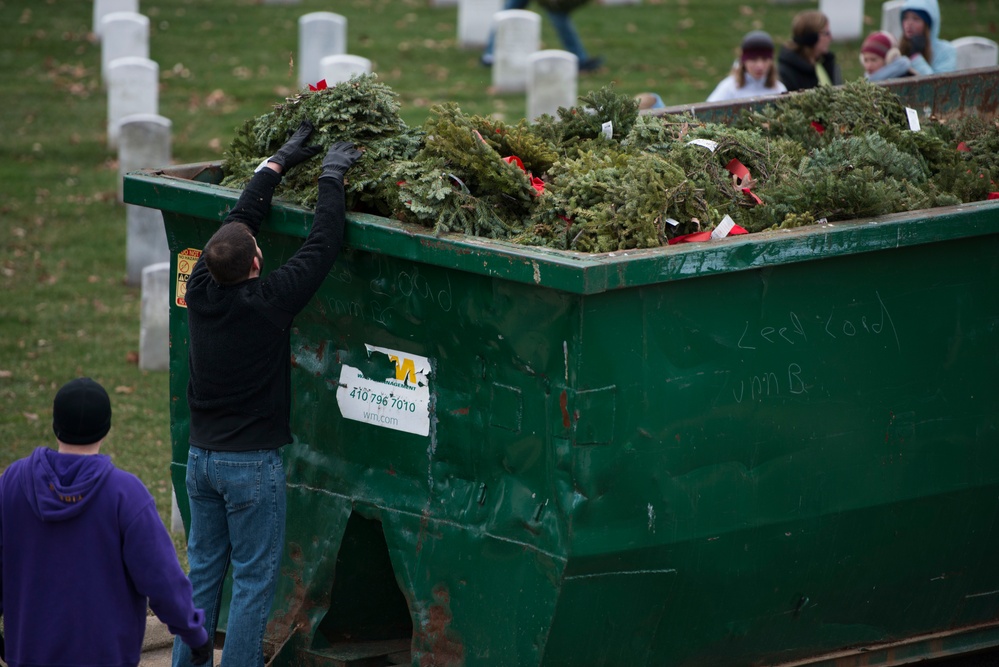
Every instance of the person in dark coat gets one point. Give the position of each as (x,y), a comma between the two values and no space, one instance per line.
(805,61)
(239,394)
(83,551)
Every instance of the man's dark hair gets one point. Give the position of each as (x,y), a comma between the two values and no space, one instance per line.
(229,253)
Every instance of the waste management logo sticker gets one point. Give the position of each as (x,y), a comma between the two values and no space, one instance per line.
(400,402)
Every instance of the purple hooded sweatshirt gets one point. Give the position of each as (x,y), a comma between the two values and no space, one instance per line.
(82,550)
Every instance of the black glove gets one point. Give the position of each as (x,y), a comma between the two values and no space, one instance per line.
(295,152)
(203,653)
(918,44)
(341,156)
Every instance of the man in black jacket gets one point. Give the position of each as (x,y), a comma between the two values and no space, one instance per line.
(240,395)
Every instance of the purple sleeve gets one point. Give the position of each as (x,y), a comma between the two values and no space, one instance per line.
(1,545)
(151,561)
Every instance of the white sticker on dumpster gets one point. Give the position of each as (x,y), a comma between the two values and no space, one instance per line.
(400,402)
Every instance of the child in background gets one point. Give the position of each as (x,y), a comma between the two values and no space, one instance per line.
(754,74)
(881,58)
(649,101)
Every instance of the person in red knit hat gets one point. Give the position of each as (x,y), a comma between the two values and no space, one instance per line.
(881,58)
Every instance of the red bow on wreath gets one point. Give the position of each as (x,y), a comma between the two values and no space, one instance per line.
(536,182)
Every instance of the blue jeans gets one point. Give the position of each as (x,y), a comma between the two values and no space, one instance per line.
(563,25)
(237,517)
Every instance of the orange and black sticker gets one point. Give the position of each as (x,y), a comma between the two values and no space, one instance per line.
(185,265)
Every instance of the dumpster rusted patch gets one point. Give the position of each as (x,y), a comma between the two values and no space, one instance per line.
(440,645)
(424,521)
(449,248)
(295,619)
(563,402)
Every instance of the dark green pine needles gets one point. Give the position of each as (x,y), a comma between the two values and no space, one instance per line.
(615,180)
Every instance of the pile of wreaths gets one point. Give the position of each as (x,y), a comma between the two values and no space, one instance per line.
(600,177)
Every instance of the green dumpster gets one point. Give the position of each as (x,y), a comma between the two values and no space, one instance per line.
(780,448)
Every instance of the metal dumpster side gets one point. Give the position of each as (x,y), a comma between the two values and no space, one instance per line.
(942,96)
(775,448)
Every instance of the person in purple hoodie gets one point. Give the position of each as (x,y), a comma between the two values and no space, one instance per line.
(83,551)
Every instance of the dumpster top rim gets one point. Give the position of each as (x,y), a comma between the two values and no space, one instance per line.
(174,190)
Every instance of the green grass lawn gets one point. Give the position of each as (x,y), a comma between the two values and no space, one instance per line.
(66,309)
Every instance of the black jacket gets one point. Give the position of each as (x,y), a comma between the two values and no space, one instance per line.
(798,74)
(240,335)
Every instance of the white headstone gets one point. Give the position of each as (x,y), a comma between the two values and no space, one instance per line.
(518,35)
(154,318)
(976,52)
(146,241)
(320,34)
(104,7)
(176,520)
(475,19)
(342,67)
(133,87)
(143,142)
(552,80)
(891,17)
(846,18)
(124,34)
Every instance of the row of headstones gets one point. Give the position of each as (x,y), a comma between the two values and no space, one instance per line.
(143,139)
(548,77)
(972,51)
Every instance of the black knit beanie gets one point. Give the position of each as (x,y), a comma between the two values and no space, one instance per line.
(81,412)
(756,44)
